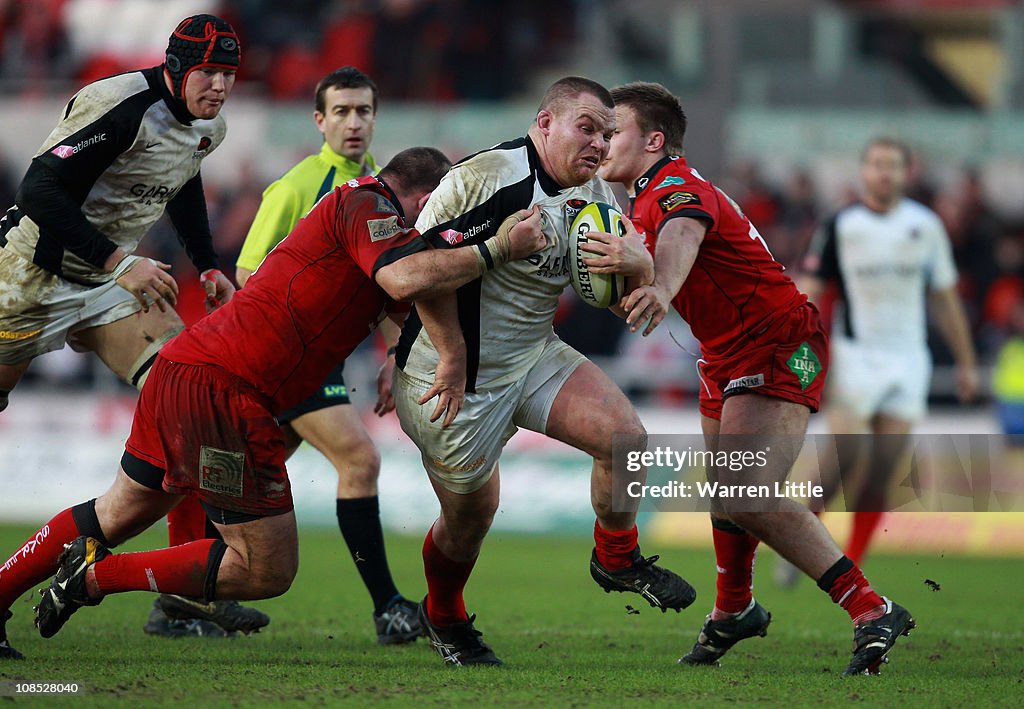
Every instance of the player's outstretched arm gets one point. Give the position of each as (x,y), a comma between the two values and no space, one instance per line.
(428,274)
(679,241)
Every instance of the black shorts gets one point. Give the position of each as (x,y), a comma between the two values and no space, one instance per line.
(332,392)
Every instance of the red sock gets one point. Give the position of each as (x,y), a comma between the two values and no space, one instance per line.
(180,570)
(446,579)
(864,526)
(186,522)
(848,587)
(614,548)
(735,550)
(36,559)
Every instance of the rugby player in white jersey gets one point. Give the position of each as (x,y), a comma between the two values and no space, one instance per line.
(891,259)
(516,372)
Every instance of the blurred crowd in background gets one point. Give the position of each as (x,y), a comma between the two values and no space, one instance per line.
(437,50)
(447,51)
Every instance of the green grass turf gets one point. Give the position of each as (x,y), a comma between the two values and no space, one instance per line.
(565,643)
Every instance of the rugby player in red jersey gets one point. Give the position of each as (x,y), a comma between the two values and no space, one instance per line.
(763,360)
(205,421)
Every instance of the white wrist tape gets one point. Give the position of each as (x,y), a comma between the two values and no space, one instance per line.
(124,265)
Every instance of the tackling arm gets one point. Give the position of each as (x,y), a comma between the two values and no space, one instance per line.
(431,273)
(679,241)
(440,319)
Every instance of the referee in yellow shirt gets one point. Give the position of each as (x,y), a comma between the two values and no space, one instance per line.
(346,110)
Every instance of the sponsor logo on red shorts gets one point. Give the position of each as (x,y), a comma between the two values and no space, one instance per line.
(221,471)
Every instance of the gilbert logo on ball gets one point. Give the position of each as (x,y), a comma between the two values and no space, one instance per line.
(596,289)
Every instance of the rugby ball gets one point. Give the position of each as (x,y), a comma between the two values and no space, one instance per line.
(597,289)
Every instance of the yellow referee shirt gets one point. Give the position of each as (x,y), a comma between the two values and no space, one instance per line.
(288,199)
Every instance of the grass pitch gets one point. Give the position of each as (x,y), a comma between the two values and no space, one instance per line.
(564,642)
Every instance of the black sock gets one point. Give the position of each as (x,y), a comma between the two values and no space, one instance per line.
(359,521)
(88,523)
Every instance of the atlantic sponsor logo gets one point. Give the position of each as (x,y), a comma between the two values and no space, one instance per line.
(66,151)
(477,229)
(748,382)
(381,229)
(453,237)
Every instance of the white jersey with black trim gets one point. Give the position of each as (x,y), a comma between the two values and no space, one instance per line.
(885,264)
(506,315)
(123,149)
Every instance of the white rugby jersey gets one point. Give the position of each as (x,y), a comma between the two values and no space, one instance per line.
(506,315)
(122,150)
(885,264)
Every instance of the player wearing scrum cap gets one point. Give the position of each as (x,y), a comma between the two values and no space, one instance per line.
(126,148)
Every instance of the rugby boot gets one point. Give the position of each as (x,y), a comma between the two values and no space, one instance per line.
(6,651)
(661,588)
(66,593)
(873,639)
(159,624)
(459,644)
(400,623)
(229,615)
(717,636)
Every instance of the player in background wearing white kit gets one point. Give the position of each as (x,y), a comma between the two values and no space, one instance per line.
(891,258)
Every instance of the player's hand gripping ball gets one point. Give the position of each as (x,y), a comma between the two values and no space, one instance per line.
(597,289)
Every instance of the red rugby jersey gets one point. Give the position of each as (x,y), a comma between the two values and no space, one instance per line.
(312,300)
(735,288)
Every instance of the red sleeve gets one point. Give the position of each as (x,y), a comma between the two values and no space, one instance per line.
(696,199)
(374,233)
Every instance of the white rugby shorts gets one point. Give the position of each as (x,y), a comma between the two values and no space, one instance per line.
(39,311)
(462,457)
(877,379)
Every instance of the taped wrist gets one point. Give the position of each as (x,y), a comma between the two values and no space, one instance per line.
(494,252)
(209,274)
(124,265)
